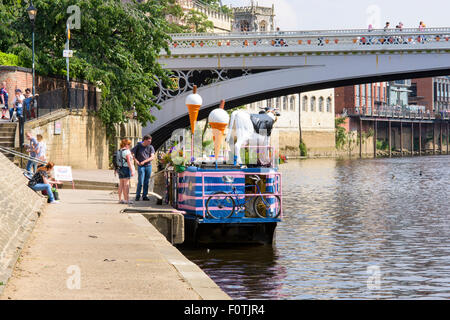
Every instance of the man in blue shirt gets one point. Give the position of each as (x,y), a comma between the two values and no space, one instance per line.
(143,153)
(33,149)
(4,99)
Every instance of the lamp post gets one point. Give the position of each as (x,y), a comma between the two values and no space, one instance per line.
(32,12)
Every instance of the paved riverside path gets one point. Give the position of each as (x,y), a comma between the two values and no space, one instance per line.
(116,257)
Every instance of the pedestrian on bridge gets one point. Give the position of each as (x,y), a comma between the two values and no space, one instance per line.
(143,153)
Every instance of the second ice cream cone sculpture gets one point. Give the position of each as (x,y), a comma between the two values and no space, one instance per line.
(193,103)
(218,120)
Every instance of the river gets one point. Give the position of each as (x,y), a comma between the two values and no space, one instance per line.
(352,229)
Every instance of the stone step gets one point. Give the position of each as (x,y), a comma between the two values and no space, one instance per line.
(7,130)
(7,144)
(7,138)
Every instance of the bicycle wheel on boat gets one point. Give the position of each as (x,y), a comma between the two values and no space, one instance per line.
(220,205)
(267,206)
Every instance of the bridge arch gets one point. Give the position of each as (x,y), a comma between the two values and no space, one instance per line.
(307,61)
(265,85)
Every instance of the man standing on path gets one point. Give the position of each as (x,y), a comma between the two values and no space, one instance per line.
(143,155)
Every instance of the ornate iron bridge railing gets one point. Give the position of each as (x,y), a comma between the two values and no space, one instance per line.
(307,41)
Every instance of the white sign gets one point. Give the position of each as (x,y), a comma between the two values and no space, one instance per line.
(63,173)
(67,53)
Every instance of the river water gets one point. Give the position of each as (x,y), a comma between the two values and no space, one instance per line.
(352,229)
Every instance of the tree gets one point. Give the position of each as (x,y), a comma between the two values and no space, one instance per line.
(198,21)
(116,48)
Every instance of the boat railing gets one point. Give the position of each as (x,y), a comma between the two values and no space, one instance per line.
(277,188)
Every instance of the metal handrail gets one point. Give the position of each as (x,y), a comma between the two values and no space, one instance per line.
(397,113)
(22,155)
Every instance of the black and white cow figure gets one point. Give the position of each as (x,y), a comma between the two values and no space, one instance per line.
(245,128)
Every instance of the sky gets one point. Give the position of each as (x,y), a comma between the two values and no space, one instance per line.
(353,14)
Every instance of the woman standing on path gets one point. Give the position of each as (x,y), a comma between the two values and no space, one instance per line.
(126,171)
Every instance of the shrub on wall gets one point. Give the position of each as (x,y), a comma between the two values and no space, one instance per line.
(7,59)
(303,149)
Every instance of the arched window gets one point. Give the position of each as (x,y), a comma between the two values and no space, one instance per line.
(328,104)
(263,26)
(292,103)
(305,103)
(285,103)
(313,104)
(321,104)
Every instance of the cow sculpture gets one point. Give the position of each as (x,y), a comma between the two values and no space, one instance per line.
(247,127)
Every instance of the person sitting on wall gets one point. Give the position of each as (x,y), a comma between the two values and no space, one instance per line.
(41,181)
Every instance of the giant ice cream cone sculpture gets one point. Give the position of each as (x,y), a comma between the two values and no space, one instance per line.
(193,103)
(218,120)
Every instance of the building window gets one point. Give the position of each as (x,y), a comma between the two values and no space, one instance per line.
(369,95)
(328,104)
(269,103)
(357,99)
(363,95)
(263,26)
(292,103)
(305,103)
(285,103)
(278,103)
(321,104)
(313,104)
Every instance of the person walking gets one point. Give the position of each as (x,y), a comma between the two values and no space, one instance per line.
(125,170)
(17,105)
(29,103)
(33,149)
(4,99)
(143,153)
(42,148)
(41,181)
(386,27)
(421,26)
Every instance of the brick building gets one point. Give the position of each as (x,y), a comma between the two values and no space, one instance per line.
(368,96)
(433,93)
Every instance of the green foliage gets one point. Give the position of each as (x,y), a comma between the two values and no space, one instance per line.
(116,48)
(340,134)
(206,144)
(382,145)
(8,59)
(198,21)
(303,149)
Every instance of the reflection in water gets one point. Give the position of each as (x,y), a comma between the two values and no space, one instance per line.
(341,217)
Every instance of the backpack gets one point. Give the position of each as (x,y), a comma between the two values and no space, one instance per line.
(117,160)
